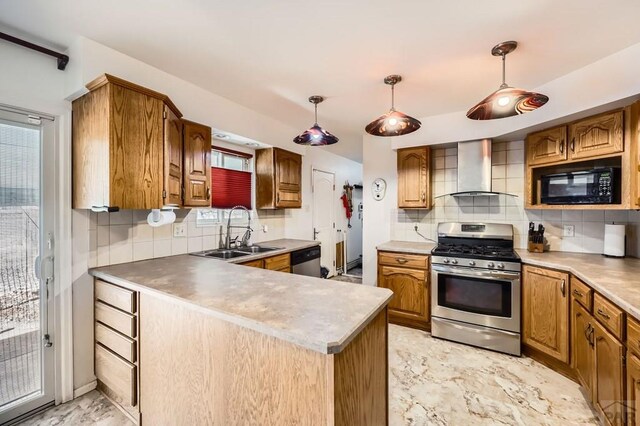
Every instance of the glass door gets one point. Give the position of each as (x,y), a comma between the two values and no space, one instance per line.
(26,262)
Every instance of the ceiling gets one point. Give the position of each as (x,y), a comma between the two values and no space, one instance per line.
(272,55)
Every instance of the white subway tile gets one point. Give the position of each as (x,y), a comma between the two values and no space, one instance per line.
(515,156)
(142,232)
(102,236)
(552,215)
(103,218)
(572,215)
(616,216)
(140,216)
(499,146)
(143,250)
(161,248)
(178,246)
(499,157)
(193,230)
(102,258)
(481,201)
(438,176)
(498,185)
(451,162)
(121,217)
(515,145)
(515,170)
(451,175)
(439,152)
(164,232)
(498,172)
(121,252)
(593,216)
(439,163)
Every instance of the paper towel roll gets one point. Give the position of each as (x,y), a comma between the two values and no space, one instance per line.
(614,240)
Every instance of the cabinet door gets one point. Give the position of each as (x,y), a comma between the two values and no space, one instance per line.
(197,165)
(172,158)
(410,302)
(608,391)
(633,390)
(596,136)
(582,354)
(413,178)
(288,167)
(547,146)
(545,307)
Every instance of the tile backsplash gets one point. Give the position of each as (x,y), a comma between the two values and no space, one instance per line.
(508,176)
(125,236)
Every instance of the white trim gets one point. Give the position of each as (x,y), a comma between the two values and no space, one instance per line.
(85,389)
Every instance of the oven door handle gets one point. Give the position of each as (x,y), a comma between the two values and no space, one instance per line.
(499,275)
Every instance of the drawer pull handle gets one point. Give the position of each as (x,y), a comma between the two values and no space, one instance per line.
(562,147)
(577,293)
(603,314)
(401,260)
(562,287)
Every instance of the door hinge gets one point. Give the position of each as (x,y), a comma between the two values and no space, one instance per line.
(334,225)
(164,194)
(164,114)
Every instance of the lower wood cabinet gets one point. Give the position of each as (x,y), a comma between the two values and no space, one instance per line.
(280,263)
(582,354)
(608,375)
(633,389)
(545,311)
(410,285)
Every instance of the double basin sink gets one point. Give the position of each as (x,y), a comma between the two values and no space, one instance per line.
(233,253)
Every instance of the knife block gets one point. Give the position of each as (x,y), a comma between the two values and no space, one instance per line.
(535,247)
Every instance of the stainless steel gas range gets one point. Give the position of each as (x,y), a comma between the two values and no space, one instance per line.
(475,286)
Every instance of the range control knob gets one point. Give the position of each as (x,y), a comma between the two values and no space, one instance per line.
(491,265)
(472,263)
(454,261)
(500,265)
(445,260)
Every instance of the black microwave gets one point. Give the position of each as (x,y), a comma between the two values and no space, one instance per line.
(596,186)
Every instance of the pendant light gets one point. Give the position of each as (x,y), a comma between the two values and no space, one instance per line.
(506,101)
(393,123)
(315,135)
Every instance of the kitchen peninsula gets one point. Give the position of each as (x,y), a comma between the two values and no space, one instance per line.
(220,343)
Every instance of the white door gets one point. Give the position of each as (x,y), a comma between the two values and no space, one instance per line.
(27,244)
(324,217)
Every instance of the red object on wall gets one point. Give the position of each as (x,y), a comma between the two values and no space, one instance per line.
(230,188)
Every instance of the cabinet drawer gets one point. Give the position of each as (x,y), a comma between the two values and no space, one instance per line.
(277,262)
(609,315)
(117,374)
(115,296)
(286,270)
(118,343)
(582,293)
(405,260)
(118,320)
(254,263)
(633,335)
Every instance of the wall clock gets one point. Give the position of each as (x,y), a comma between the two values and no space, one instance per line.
(378,189)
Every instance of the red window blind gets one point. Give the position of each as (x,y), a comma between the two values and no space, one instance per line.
(230,188)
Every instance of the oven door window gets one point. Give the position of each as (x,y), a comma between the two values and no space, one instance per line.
(475,295)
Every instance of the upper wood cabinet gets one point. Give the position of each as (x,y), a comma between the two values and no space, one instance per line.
(408,277)
(414,183)
(197,164)
(547,146)
(545,311)
(278,179)
(173,158)
(597,136)
(121,132)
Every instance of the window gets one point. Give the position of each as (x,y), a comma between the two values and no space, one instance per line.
(231,178)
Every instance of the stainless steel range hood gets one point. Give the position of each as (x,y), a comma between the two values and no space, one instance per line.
(474,169)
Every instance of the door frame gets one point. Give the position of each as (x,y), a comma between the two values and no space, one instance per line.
(332,268)
(56,130)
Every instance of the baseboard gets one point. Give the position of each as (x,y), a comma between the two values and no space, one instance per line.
(85,389)
(549,361)
(354,263)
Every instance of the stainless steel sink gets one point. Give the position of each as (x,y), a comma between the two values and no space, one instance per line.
(257,249)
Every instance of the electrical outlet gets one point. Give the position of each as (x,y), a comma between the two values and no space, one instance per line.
(179,230)
(568,231)
(265,228)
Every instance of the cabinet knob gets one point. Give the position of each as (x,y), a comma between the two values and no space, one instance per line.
(472,263)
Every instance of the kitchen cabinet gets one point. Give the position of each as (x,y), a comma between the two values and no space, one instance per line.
(408,277)
(608,375)
(280,263)
(197,164)
(633,389)
(582,355)
(596,136)
(547,146)
(414,183)
(545,311)
(121,135)
(278,179)
(116,331)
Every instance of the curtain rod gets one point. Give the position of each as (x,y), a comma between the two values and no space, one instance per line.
(63,59)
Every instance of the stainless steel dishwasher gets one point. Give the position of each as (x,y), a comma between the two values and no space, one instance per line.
(306,262)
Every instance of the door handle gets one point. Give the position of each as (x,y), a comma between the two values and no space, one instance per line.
(315,234)
(563,287)
(562,147)
(424,196)
(208,193)
(401,260)
(573,144)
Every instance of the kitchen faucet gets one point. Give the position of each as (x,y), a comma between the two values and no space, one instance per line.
(247,234)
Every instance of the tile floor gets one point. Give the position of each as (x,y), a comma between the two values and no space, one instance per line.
(431,382)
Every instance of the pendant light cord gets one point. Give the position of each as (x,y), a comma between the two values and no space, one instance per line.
(316,112)
(504,84)
(393,97)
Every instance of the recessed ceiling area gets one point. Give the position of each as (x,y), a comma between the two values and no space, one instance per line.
(271,56)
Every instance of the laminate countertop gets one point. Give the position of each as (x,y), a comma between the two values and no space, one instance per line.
(616,279)
(321,315)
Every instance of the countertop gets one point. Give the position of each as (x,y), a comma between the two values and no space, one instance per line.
(407,247)
(321,315)
(616,279)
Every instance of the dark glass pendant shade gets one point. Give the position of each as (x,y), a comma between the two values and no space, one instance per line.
(393,123)
(315,135)
(506,101)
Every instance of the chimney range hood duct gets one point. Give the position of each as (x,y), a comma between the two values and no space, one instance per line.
(474,169)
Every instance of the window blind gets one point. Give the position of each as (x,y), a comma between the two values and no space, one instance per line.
(230,188)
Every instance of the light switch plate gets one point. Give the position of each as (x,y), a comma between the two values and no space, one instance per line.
(179,230)
(568,231)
